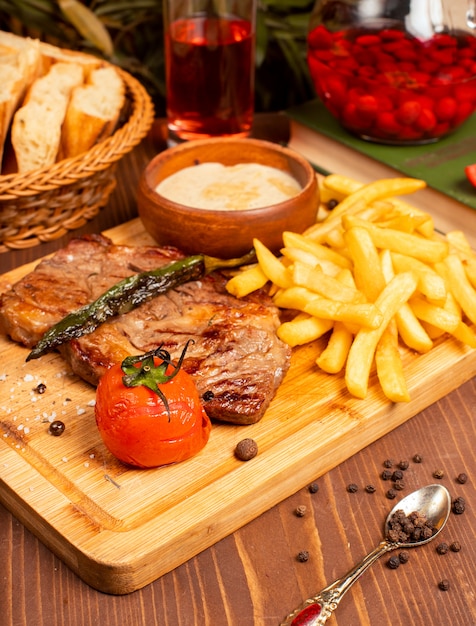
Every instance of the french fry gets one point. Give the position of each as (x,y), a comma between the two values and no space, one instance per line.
(390,367)
(332,359)
(364,314)
(303,329)
(430,283)
(376,277)
(368,274)
(362,351)
(296,298)
(384,188)
(435,315)
(322,253)
(247,281)
(271,266)
(327,286)
(460,286)
(426,250)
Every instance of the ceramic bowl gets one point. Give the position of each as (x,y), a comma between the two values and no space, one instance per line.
(225,233)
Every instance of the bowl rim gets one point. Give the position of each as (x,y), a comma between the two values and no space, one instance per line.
(311,177)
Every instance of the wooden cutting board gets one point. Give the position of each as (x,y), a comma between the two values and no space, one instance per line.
(120,528)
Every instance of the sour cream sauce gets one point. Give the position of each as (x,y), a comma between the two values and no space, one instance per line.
(229,187)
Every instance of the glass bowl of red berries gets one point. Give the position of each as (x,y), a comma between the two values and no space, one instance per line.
(397,72)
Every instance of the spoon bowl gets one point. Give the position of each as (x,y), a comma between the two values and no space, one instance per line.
(432,502)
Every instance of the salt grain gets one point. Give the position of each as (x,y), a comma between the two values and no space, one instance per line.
(28,378)
(65,459)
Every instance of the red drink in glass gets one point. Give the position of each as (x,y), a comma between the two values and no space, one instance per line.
(210,77)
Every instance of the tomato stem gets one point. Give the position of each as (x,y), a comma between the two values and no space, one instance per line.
(145,370)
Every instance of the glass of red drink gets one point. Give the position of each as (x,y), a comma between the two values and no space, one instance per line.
(396,72)
(209,54)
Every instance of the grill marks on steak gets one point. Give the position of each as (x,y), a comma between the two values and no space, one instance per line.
(236,359)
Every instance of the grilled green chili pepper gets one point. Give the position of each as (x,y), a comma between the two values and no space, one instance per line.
(128,294)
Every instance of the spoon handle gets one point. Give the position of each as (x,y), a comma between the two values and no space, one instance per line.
(315,610)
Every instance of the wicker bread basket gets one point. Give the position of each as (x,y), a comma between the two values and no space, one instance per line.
(46,203)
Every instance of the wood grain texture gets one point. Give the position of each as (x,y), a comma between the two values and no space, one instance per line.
(252,576)
(119,528)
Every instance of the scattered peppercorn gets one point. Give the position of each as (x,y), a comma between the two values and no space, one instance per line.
(397,475)
(393,562)
(439,473)
(444,584)
(303,556)
(461,478)
(455,546)
(313,487)
(399,485)
(352,488)
(458,506)
(56,428)
(246,449)
(403,465)
(208,395)
(301,510)
(417,458)
(404,556)
(391,494)
(331,204)
(40,388)
(386,474)
(388,463)
(442,548)
(370,488)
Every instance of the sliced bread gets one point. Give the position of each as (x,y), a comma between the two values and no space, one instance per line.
(93,111)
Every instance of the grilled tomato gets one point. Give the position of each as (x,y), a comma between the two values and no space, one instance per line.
(148,411)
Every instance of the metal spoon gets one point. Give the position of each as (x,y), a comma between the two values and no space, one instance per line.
(432,501)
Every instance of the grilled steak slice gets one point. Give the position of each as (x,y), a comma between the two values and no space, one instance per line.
(236,359)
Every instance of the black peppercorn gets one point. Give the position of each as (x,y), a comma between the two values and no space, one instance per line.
(404,556)
(458,506)
(461,478)
(246,449)
(444,584)
(370,488)
(417,458)
(442,548)
(313,488)
(439,473)
(56,428)
(397,475)
(455,546)
(399,485)
(403,465)
(386,474)
(331,204)
(352,488)
(388,463)
(40,388)
(301,510)
(393,562)
(208,395)
(391,494)
(303,556)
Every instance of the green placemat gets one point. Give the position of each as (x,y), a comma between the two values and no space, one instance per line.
(440,164)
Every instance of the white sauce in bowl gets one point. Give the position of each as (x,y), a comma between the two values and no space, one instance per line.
(219,187)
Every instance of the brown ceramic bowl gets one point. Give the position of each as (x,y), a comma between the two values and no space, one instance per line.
(227,233)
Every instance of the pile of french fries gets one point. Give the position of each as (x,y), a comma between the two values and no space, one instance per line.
(372,276)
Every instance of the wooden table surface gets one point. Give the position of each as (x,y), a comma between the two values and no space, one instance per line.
(254,576)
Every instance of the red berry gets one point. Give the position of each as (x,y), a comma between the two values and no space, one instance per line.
(445,109)
(426,121)
(387,124)
(408,112)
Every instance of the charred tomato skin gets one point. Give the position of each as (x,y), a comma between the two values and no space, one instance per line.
(136,427)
